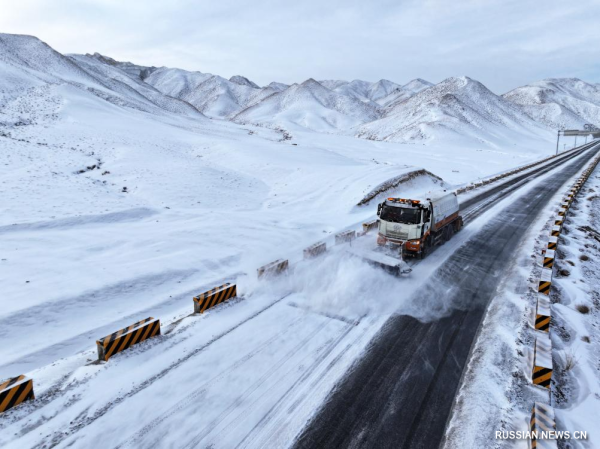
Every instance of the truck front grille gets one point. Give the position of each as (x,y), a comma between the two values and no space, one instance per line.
(397,235)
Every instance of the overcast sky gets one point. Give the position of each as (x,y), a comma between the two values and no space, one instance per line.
(502,43)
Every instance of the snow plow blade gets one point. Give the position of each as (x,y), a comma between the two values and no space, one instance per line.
(388,263)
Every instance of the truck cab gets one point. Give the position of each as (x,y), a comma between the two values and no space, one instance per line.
(418,224)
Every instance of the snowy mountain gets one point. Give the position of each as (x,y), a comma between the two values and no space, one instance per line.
(133,70)
(129,83)
(559,102)
(213,95)
(401,93)
(416,85)
(383,110)
(29,67)
(456,107)
(362,90)
(243,81)
(278,86)
(381,89)
(309,105)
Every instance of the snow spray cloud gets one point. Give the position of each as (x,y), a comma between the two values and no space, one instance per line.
(339,283)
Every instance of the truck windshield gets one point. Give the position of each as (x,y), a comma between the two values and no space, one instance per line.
(400,214)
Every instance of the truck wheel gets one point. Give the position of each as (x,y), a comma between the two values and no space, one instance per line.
(450,232)
(458,225)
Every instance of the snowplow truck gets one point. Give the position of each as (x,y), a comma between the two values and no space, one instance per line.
(417,225)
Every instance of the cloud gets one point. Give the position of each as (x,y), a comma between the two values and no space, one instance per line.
(501,43)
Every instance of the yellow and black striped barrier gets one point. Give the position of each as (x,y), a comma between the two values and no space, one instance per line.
(548,258)
(213,297)
(370,225)
(542,314)
(273,268)
(345,237)
(558,220)
(14,391)
(129,336)
(541,424)
(545,281)
(552,242)
(542,360)
(555,231)
(315,250)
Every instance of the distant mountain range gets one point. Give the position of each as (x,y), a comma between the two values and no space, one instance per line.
(418,111)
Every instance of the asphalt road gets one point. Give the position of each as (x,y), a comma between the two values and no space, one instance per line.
(400,394)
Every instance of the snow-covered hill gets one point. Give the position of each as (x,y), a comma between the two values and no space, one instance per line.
(32,72)
(213,95)
(309,105)
(401,93)
(243,81)
(130,83)
(362,90)
(559,102)
(456,108)
(133,70)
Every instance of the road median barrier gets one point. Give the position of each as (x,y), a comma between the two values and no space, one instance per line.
(345,237)
(542,422)
(555,231)
(273,268)
(315,250)
(542,360)
(542,314)
(129,336)
(213,297)
(14,391)
(545,281)
(370,225)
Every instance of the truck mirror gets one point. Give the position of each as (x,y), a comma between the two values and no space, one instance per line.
(379,206)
